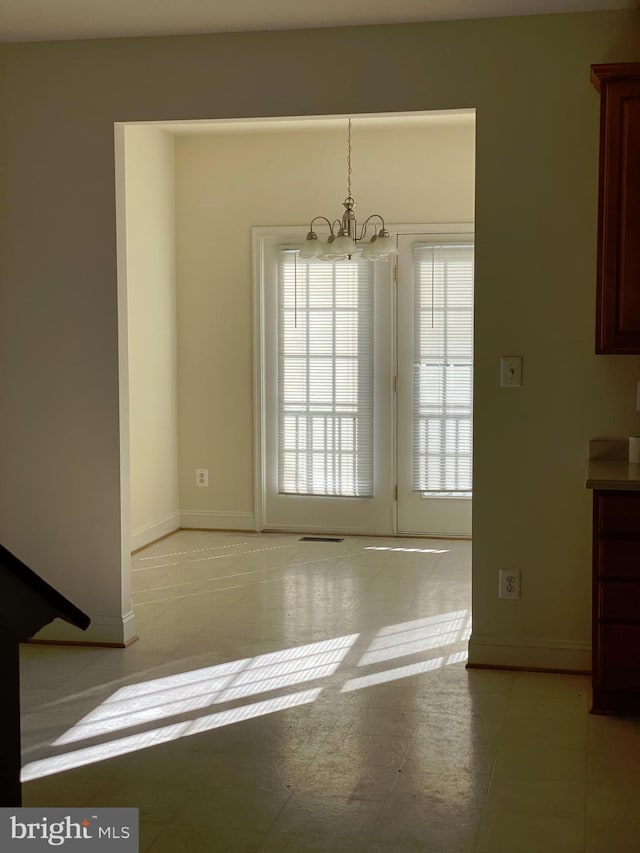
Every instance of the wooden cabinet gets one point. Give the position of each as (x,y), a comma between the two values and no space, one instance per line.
(616,602)
(618,282)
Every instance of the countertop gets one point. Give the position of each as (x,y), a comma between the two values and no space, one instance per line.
(609,467)
(613,474)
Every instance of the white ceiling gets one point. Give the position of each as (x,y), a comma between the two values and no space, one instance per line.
(46,20)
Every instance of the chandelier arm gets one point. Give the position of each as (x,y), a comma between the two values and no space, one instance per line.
(324,219)
(366,222)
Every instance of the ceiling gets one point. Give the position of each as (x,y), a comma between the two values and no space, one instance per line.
(53,20)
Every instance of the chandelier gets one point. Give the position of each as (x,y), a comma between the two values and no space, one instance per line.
(345,240)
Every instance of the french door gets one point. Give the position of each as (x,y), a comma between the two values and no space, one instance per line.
(435,382)
(327,382)
(352,392)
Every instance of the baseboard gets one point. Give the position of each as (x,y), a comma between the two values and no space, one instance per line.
(538,654)
(220,520)
(103,631)
(152,532)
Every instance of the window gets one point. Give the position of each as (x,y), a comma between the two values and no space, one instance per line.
(325,376)
(443,368)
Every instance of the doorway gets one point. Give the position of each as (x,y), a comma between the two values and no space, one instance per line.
(185,182)
(365,372)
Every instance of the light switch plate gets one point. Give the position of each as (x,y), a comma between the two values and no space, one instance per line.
(511,371)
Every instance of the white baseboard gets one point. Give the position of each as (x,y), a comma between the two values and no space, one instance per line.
(150,532)
(103,630)
(535,654)
(220,520)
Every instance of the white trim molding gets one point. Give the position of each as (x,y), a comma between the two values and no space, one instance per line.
(151,532)
(552,655)
(197,519)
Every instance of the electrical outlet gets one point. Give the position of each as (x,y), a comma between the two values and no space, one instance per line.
(509,583)
(202,477)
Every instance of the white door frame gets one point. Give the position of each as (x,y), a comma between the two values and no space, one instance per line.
(260,235)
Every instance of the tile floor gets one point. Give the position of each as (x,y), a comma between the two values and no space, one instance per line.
(296,696)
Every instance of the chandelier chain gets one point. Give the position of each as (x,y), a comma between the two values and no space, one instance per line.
(349,163)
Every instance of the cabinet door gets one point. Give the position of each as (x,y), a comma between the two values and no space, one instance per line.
(618,294)
(616,602)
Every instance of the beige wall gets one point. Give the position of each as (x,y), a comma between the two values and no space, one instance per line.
(151,310)
(61,504)
(225,184)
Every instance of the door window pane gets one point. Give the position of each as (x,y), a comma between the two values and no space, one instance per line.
(325,377)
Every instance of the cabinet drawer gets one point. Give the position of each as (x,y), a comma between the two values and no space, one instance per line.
(617,657)
(617,514)
(619,601)
(618,558)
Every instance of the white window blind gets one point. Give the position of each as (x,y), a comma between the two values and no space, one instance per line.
(325,377)
(443,368)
